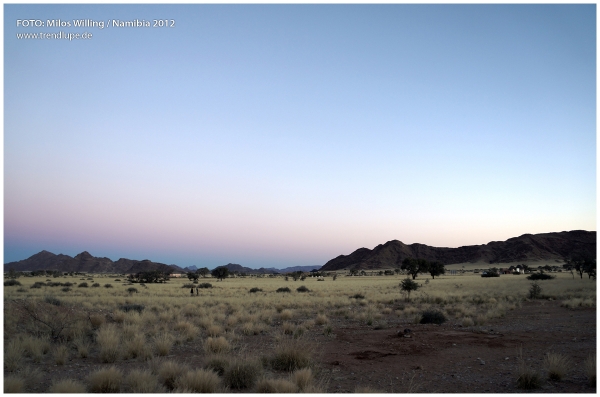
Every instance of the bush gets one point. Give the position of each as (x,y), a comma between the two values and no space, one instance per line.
(131,290)
(302,288)
(11,283)
(535,291)
(432,317)
(253,290)
(205,285)
(95,285)
(540,276)
(132,307)
(83,285)
(108,286)
(188,286)
(242,374)
(358,296)
(283,289)
(38,284)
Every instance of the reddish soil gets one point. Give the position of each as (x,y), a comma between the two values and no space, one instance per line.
(450,359)
(443,358)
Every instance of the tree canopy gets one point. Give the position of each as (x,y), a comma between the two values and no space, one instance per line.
(415,266)
(220,272)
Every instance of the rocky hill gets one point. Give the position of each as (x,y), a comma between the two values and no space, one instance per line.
(528,247)
(86,263)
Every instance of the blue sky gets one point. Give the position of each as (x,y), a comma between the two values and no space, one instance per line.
(282,135)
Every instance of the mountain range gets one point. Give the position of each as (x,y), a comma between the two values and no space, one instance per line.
(528,247)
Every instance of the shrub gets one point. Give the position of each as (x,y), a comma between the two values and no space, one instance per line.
(38,284)
(302,288)
(66,289)
(188,286)
(67,386)
(141,381)
(242,374)
(283,289)
(96,320)
(321,319)
(540,276)
(432,317)
(132,290)
(52,300)
(95,285)
(13,384)
(535,291)
(528,378)
(358,296)
(205,285)
(107,380)
(11,283)
(407,285)
(253,290)
(108,286)
(291,355)
(199,381)
(83,285)
(132,307)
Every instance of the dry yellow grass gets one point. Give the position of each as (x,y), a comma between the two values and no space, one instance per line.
(107,380)
(14,384)
(67,386)
(142,381)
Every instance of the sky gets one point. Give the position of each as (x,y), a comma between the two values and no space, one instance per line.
(286,135)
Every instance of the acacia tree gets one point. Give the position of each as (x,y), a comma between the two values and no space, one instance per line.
(220,272)
(414,266)
(436,269)
(203,271)
(193,276)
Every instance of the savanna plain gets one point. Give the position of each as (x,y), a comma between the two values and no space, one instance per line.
(355,334)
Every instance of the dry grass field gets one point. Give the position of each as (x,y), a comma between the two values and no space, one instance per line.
(346,335)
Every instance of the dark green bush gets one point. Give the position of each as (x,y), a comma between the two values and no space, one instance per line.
(95,285)
(535,291)
(283,289)
(38,284)
(83,285)
(108,286)
(132,290)
(66,289)
(358,296)
(205,285)
(432,317)
(540,276)
(252,290)
(11,282)
(302,288)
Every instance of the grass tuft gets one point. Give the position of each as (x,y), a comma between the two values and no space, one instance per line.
(13,384)
(589,367)
(291,355)
(199,381)
(141,381)
(107,380)
(242,374)
(275,386)
(216,345)
(557,365)
(67,386)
